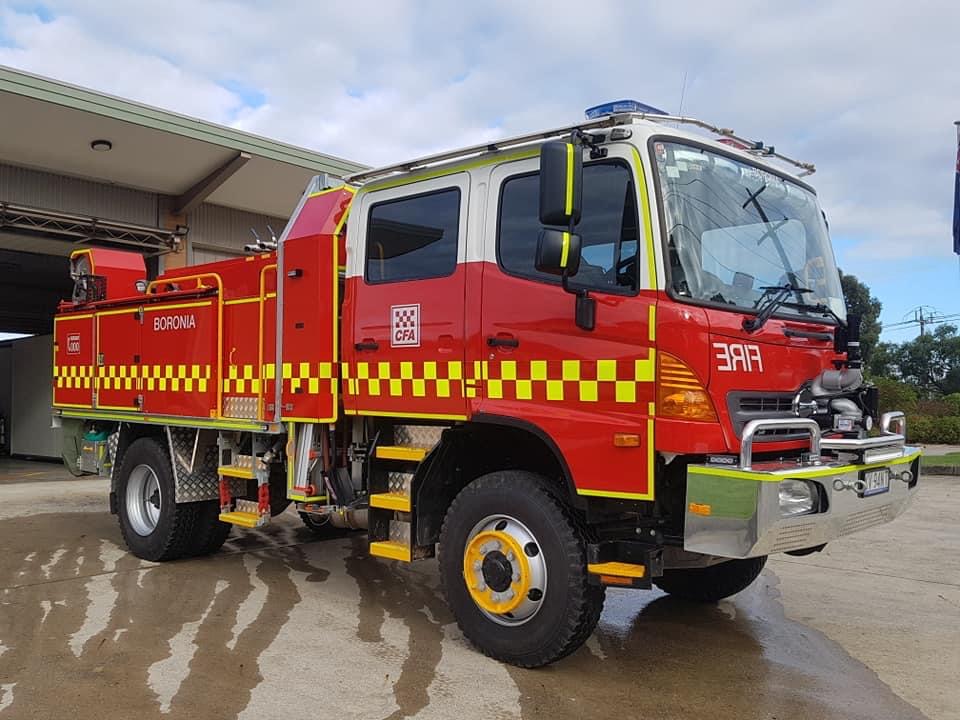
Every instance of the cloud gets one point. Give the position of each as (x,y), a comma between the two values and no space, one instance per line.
(69,50)
(867,91)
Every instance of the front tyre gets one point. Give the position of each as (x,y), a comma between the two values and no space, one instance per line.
(153,525)
(514,571)
(713,583)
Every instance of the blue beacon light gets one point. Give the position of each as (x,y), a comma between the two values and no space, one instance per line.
(621,106)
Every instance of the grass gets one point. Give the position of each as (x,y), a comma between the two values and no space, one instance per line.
(948,459)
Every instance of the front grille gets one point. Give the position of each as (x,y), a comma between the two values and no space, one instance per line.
(766,403)
(747,406)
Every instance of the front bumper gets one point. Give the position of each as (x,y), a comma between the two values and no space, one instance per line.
(735,511)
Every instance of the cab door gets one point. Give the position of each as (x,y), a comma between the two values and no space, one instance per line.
(404,301)
(590,391)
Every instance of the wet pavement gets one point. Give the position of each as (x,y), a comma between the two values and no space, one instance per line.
(279,625)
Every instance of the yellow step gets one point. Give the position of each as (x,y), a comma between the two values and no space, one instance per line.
(391,501)
(243,519)
(391,550)
(617,569)
(233,471)
(402,452)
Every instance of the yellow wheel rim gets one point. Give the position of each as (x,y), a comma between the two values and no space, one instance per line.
(487,598)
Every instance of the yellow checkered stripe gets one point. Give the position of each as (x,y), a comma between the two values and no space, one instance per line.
(430,378)
(73,377)
(551,380)
(298,377)
(176,378)
(568,380)
(155,378)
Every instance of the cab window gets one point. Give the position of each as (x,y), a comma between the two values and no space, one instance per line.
(608,227)
(413,238)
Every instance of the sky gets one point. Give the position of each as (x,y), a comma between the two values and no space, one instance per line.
(867,91)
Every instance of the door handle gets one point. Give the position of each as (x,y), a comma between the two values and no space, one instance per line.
(510,342)
(366,345)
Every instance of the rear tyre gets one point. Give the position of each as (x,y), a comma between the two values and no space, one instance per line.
(211,533)
(154,526)
(713,583)
(514,570)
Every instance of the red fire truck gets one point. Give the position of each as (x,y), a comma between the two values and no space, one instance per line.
(610,354)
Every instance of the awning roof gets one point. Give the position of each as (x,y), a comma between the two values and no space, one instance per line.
(49,125)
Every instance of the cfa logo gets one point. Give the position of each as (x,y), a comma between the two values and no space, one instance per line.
(73,344)
(405,325)
(734,356)
(174,322)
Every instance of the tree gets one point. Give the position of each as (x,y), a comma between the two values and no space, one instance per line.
(860,301)
(884,360)
(931,362)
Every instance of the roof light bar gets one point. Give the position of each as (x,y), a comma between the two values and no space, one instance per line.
(621,106)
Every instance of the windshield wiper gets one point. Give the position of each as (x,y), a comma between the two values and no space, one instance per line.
(777,295)
(818,308)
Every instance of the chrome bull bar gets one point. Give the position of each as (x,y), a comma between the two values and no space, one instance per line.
(755,426)
(736,512)
(893,430)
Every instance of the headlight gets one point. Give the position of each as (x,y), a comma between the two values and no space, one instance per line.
(797,497)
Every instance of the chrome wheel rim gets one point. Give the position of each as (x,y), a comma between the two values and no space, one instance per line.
(505,570)
(143,500)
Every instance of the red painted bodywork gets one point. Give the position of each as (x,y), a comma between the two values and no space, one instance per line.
(226,349)
(205,333)
(121,269)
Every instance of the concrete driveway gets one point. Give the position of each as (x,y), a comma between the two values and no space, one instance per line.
(279,625)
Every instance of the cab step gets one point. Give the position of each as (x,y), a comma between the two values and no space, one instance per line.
(408,453)
(391,501)
(397,497)
(237,471)
(390,518)
(391,549)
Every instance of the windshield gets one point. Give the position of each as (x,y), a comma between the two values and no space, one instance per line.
(734,230)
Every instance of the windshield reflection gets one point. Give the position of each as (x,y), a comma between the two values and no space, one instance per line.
(734,230)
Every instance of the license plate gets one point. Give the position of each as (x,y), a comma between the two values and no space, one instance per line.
(875,482)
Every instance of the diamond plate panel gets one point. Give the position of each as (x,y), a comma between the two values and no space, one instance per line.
(399,482)
(243,461)
(240,407)
(249,506)
(400,532)
(194,455)
(425,436)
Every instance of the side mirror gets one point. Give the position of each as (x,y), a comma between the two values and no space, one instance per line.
(561,183)
(558,252)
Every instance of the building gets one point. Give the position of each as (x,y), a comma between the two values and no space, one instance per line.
(81,168)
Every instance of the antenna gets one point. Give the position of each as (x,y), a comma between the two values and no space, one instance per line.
(683,91)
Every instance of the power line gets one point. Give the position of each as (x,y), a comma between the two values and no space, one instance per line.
(927,321)
(923,316)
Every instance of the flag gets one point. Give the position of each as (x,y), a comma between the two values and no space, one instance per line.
(956,197)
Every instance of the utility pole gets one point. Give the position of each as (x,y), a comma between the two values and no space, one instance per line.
(923,315)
